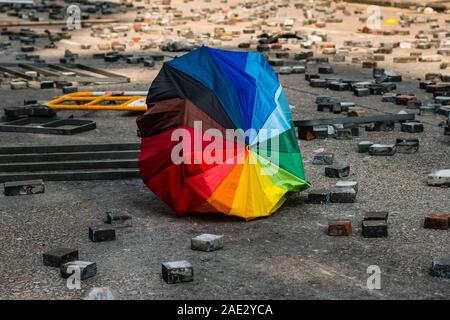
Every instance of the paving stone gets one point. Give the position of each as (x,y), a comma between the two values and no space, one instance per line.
(57,257)
(285,70)
(310,76)
(18,84)
(388,97)
(87,269)
(323,159)
(347,184)
(329,105)
(18,188)
(342,227)
(319,196)
(381,126)
(445,101)
(320,132)
(440,267)
(382,150)
(361,92)
(374,228)
(444,110)
(318,83)
(70,89)
(343,195)
(436,221)
(412,127)
(47,84)
(118,219)
(298,69)
(326,70)
(376,215)
(99,233)
(428,109)
(344,134)
(356,112)
(337,171)
(149,63)
(303,55)
(407,145)
(414,104)
(439,178)
(346,105)
(338,86)
(177,272)
(101,293)
(276,62)
(322,99)
(207,242)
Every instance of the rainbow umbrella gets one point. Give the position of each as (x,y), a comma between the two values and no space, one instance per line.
(218,136)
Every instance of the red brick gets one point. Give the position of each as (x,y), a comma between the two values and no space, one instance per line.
(340,227)
(436,221)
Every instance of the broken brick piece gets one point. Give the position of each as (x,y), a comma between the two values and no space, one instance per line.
(341,227)
(376,215)
(361,92)
(118,219)
(343,195)
(436,221)
(17,188)
(440,267)
(319,196)
(57,257)
(99,233)
(407,145)
(87,269)
(402,99)
(412,127)
(364,146)
(337,171)
(323,159)
(439,178)
(382,150)
(347,184)
(207,242)
(177,271)
(374,228)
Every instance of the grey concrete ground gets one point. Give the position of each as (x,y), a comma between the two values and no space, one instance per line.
(285,256)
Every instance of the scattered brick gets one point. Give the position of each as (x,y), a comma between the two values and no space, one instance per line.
(343,195)
(17,188)
(118,219)
(436,221)
(364,146)
(341,227)
(337,171)
(439,178)
(207,242)
(440,267)
(57,257)
(347,184)
(99,233)
(87,269)
(382,150)
(374,228)
(177,272)
(376,215)
(319,196)
(407,145)
(323,159)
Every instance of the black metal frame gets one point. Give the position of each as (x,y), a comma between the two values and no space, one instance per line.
(48,126)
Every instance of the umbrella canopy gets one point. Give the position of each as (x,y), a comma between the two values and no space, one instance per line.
(218,136)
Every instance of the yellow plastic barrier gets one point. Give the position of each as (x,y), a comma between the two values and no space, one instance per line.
(118,101)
